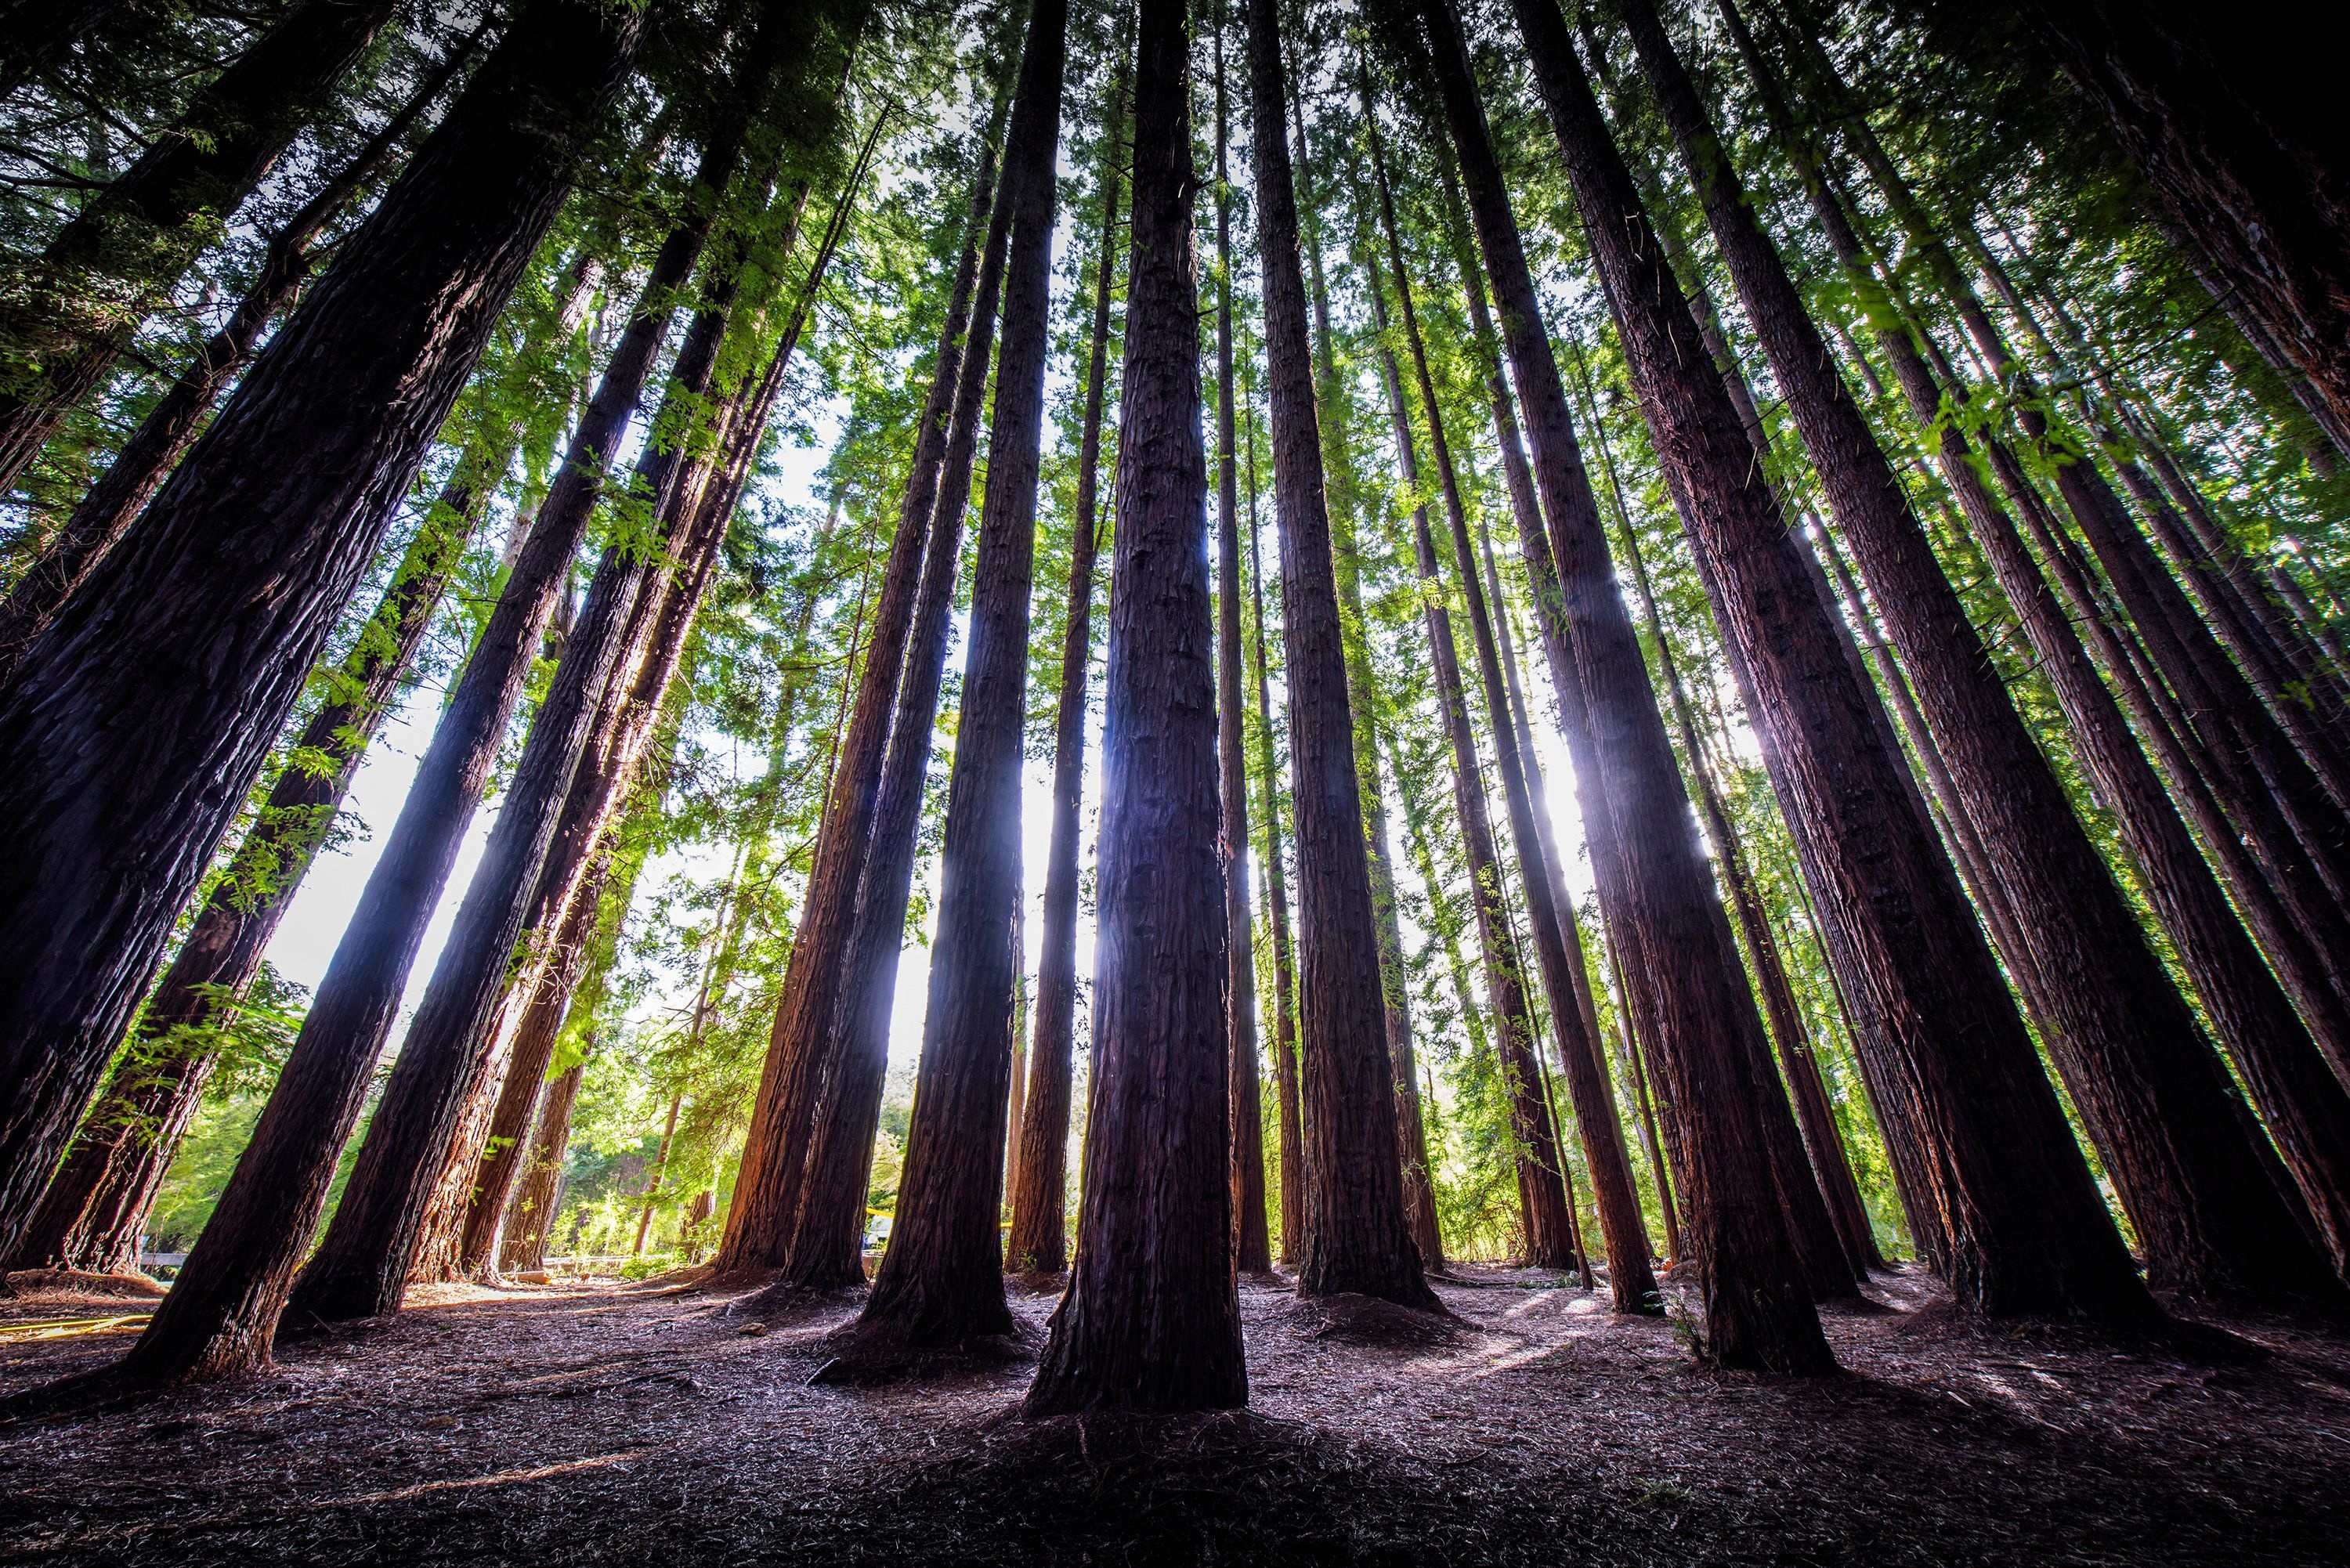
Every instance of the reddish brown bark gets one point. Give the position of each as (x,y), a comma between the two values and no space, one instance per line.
(531,1221)
(1756,1309)
(1039,1236)
(1285,980)
(1151,1321)
(1358,1237)
(826,1242)
(941,1281)
(768,1184)
(1252,1246)
(135,725)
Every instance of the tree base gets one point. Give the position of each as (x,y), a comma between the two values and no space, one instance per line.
(877,1355)
(1374,1323)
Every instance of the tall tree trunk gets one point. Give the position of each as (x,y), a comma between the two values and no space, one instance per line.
(99,520)
(1039,1238)
(1881,861)
(941,1280)
(1756,1309)
(135,724)
(362,1264)
(70,312)
(823,1247)
(1358,1234)
(1252,1246)
(1547,1222)
(768,1184)
(2189,1162)
(1151,1321)
(530,1223)
(1284,982)
(1344,498)
(96,1205)
(1630,1281)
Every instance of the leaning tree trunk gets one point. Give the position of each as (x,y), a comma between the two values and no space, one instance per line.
(71,311)
(1252,1246)
(2175,1136)
(769,1184)
(1358,1239)
(530,1222)
(361,1265)
(824,1248)
(1276,892)
(1039,1237)
(135,725)
(1630,1281)
(2231,123)
(1151,1321)
(941,1280)
(1757,1312)
(2186,1158)
(101,517)
(97,1204)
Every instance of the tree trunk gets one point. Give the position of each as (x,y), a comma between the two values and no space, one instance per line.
(35,35)
(361,1265)
(2186,1158)
(102,517)
(941,1281)
(805,1041)
(72,311)
(1252,1246)
(1342,495)
(96,1205)
(1151,1321)
(1881,861)
(1756,1310)
(531,1221)
(1630,1281)
(1039,1238)
(136,723)
(1284,982)
(1358,1239)
(823,1247)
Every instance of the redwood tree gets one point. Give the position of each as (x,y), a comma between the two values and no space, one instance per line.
(942,1281)
(1756,1309)
(1039,1236)
(1356,1235)
(137,723)
(1151,1321)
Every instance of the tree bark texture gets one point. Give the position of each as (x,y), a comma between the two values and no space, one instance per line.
(1757,1312)
(1357,1236)
(941,1280)
(768,1185)
(1151,1321)
(96,1206)
(1039,1237)
(825,1246)
(137,721)
(1252,1246)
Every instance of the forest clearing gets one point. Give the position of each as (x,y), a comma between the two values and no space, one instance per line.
(1165,781)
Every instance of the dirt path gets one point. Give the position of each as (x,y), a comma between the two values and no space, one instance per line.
(600,1424)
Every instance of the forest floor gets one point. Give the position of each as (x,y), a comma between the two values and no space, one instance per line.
(596,1424)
